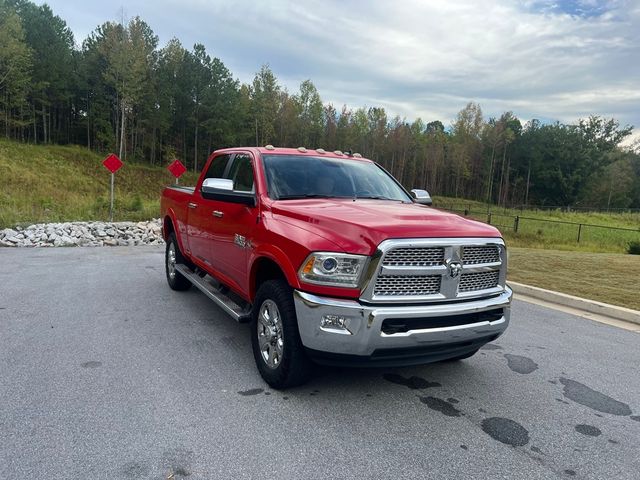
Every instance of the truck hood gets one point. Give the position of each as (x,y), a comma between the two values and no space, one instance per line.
(359,226)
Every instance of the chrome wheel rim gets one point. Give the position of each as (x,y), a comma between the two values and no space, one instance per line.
(270,339)
(171,261)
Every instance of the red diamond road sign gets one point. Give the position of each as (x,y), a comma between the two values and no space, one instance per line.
(176,168)
(112,163)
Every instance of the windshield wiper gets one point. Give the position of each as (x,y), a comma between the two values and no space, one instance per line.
(379,197)
(308,195)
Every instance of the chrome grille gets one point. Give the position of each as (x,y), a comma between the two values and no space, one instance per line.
(429,270)
(414,257)
(478,281)
(402,285)
(481,254)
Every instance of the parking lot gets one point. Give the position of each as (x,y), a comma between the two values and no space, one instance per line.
(106,373)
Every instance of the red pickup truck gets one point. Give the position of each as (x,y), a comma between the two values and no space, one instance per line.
(333,262)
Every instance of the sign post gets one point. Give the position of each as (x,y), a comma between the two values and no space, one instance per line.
(177,169)
(113,164)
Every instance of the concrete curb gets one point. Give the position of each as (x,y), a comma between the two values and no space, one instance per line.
(612,311)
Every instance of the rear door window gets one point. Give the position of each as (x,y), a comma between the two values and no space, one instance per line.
(241,172)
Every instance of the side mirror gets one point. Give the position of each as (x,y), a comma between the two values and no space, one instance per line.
(222,189)
(209,185)
(421,196)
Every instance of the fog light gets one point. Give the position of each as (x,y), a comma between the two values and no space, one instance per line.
(335,323)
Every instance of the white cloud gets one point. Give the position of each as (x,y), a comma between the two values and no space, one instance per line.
(548,59)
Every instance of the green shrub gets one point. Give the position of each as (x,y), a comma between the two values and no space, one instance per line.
(136,204)
(633,247)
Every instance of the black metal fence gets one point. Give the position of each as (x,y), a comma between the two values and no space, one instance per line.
(572,208)
(560,231)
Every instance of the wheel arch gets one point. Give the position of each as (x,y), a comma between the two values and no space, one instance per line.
(268,267)
(169,225)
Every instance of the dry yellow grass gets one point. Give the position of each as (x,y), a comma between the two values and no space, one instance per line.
(606,277)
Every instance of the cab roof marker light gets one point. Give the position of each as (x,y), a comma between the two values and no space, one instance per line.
(337,152)
(269,147)
(302,149)
(357,155)
(321,150)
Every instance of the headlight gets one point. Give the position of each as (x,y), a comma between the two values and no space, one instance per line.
(335,269)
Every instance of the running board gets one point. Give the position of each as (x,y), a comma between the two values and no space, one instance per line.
(230,307)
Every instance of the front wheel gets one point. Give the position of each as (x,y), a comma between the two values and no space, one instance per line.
(277,349)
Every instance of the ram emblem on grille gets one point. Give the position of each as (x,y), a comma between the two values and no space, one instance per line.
(454,269)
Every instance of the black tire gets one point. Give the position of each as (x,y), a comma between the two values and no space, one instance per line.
(175,279)
(462,357)
(284,363)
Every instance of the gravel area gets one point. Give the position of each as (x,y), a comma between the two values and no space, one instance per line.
(83,234)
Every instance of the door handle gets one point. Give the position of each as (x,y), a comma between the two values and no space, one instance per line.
(192,205)
(217,213)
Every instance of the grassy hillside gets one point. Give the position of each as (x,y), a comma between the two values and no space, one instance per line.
(63,183)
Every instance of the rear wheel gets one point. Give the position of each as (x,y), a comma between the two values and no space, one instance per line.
(173,256)
(277,349)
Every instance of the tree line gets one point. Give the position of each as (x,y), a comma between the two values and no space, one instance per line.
(120,91)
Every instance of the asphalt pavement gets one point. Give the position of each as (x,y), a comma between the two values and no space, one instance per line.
(106,373)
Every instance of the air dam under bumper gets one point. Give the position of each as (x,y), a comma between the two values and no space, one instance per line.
(401,334)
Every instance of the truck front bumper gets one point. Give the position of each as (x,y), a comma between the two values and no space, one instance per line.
(337,332)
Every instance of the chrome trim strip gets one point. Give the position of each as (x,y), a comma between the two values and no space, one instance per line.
(481,267)
(413,271)
(442,329)
(474,293)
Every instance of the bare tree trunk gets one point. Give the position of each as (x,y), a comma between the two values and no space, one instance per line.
(88,126)
(184,143)
(195,149)
(526,196)
(35,130)
(6,115)
(152,153)
(504,154)
(44,124)
(141,141)
(55,124)
(506,183)
(134,139)
(490,186)
(122,131)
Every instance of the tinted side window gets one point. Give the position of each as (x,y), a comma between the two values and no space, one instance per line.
(217,167)
(241,172)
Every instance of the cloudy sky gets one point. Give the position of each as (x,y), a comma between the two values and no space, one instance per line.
(546,59)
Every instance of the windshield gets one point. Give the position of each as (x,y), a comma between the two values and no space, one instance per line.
(298,176)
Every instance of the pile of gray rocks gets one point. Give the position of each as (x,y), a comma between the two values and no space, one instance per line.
(83,234)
